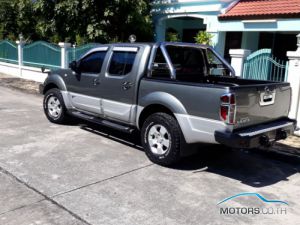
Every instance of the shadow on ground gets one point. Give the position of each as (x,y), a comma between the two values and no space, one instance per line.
(256,168)
(27,86)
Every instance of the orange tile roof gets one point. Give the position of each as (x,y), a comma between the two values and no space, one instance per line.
(265,9)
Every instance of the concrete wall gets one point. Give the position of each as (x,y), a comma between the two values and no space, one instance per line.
(25,72)
(294,80)
(260,25)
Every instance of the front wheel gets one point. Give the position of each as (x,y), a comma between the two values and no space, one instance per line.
(161,138)
(54,107)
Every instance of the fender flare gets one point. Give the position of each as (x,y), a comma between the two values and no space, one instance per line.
(165,99)
(57,80)
(160,98)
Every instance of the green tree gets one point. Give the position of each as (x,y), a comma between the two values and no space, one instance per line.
(125,17)
(16,16)
(172,35)
(204,38)
(45,25)
(24,19)
(8,16)
(76,20)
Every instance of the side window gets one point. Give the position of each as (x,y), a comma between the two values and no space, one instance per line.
(92,63)
(216,66)
(121,63)
(160,67)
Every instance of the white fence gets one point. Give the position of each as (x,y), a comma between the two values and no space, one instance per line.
(25,61)
(26,72)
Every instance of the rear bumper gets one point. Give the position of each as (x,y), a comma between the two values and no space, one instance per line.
(261,135)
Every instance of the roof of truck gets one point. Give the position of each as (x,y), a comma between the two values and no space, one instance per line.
(151,44)
(131,46)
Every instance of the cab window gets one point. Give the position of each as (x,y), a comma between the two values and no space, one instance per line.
(121,63)
(92,63)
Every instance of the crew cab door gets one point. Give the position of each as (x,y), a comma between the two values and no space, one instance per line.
(83,85)
(118,84)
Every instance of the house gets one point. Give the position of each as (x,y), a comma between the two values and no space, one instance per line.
(187,17)
(235,24)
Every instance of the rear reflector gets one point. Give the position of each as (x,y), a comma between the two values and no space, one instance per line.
(224,112)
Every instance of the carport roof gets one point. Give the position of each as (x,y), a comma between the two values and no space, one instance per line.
(263,9)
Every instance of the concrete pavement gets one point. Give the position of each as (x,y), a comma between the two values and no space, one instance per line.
(83,174)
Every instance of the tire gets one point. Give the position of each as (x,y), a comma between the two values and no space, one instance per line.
(54,107)
(161,138)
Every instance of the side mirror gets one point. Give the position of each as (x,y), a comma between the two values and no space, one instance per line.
(74,66)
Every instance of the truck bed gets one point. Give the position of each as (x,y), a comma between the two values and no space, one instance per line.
(239,82)
(250,107)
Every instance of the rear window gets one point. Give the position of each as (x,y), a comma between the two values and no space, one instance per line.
(160,67)
(189,63)
(216,66)
(121,63)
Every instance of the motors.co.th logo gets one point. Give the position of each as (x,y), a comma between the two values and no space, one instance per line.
(272,207)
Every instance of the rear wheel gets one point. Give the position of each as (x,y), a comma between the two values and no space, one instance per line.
(54,107)
(161,138)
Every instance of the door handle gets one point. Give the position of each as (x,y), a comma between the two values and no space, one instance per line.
(96,81)
(126,85)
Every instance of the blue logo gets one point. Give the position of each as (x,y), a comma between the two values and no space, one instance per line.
(255,195)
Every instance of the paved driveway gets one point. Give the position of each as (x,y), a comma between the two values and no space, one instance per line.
(81,174)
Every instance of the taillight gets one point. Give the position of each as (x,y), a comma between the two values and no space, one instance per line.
(228,108)
(224,112)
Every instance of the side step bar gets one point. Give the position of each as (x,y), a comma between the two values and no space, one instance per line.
(110,124)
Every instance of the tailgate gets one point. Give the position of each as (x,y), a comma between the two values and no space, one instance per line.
(258,104)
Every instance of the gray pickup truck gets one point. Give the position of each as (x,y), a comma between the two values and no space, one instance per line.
(175,94)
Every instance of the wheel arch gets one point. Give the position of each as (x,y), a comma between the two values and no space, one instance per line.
(158,102)
(151,109)
(54,81)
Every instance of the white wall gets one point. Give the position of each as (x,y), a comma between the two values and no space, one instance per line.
(25,72)
(294,80)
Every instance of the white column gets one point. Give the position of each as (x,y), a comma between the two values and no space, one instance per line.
(64,54)
(20,44)
(294,80)
(238,57)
